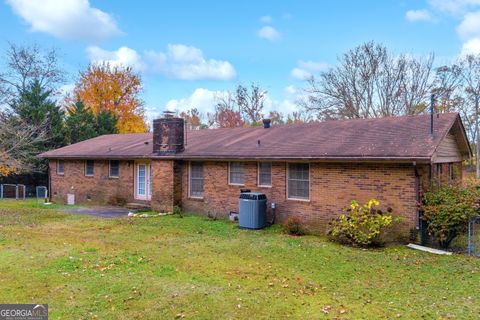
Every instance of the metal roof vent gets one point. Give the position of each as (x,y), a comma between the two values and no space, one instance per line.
(266,123)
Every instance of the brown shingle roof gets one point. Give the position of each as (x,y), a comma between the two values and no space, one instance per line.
(399,138)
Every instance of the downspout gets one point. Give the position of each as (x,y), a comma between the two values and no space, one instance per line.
(49,172)
(420,226)
(417,191)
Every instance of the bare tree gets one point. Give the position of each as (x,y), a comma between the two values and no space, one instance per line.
(276,117)
(299,117)
(250,102)
(447,88)
(18,143)
(370,82)
(193,118)
(23,65)
(226,114)
(470,75)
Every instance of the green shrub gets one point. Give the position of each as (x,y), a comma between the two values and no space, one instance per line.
(361,226)
(177,211)
(292,226)
(448,210)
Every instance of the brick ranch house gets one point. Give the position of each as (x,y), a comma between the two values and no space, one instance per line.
(312,170)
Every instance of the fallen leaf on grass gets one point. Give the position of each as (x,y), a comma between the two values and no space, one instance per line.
(326,309)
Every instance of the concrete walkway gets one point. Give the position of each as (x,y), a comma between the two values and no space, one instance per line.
(101,211)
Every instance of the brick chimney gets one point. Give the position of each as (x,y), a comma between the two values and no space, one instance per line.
(168,134)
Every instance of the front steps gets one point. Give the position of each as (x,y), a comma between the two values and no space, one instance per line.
(138,206)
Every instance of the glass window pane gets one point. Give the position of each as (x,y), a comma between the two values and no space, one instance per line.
(196,179)
(237,175)
(141,179)
(60,167)
(265,174)
(298,180)
(89,167)
(114,168)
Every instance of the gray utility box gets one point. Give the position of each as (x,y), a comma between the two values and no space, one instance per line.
(252,210)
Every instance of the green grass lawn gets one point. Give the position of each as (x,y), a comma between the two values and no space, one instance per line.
(170,267)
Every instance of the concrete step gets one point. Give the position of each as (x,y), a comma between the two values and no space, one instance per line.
(138,206)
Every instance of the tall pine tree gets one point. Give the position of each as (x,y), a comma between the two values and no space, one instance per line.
(35,107)
(80,123)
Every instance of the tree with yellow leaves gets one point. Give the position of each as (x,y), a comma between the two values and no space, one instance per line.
(105,87)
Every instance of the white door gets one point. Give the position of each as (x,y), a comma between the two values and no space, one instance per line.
(144,182)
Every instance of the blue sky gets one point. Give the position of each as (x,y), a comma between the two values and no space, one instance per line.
(190,52)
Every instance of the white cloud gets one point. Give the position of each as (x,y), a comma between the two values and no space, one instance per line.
(188,63)
(287,104)
(66,19)
(418,15)
(66,89)
(472,46)
(266,19)
(306,69)
(470,25)
(178,62)
(289,90)
(269,33)
(124,56)
(300,74)
(453,7)
(465,11)
(202,99)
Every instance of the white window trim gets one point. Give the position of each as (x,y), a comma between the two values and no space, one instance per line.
(58,172)
(85,169)
(309,183)
(236,184)
(258,175)
(190,180)
(110,171)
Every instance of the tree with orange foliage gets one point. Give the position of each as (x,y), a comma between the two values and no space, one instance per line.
(104,87)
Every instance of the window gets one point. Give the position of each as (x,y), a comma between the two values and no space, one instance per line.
(60,167)
(451,173)
(265,174)
(89,167)
(196,179)
(439,173)
(114,170)
(236,174)
(298,186)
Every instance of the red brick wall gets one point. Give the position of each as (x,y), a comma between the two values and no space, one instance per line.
(333,186)
(99,189)
(162,185)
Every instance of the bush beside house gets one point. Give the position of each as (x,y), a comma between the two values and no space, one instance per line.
(447,211)
(362,226)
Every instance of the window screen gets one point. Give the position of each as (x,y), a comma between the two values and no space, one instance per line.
(60,167)
(114,168)
(264,173)
(237,175)
(89,167)
(298,181)
(196,179)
